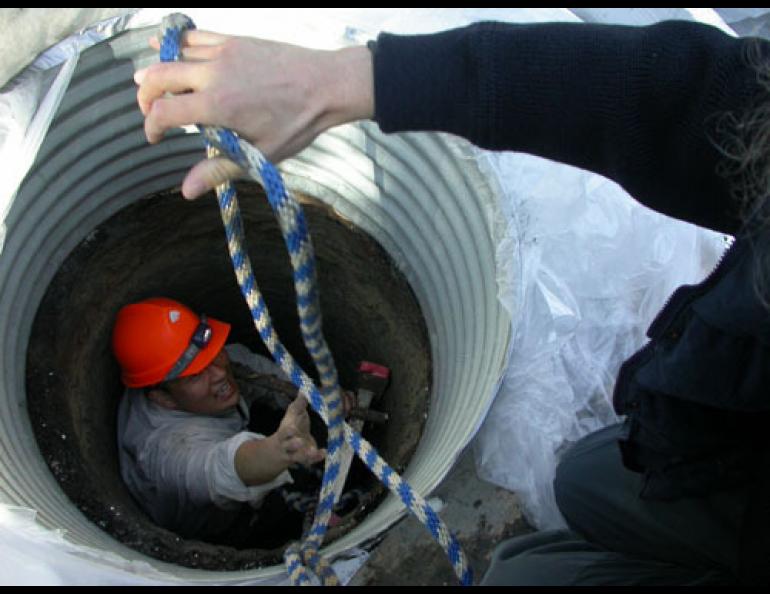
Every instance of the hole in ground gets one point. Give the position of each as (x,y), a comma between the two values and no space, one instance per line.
(164,245)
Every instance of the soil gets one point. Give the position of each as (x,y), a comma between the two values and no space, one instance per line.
(164,245)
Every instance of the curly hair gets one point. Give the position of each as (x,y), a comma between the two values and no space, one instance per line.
(744,141)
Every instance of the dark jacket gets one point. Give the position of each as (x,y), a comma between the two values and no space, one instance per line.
(642,106)
(697,396)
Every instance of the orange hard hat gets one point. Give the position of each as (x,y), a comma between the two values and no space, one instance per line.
(159,339)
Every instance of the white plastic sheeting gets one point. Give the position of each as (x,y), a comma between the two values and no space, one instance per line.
(591,269)
(581,270)
(36,556)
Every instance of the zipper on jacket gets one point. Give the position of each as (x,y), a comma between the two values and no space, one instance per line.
(686,294)
(672,308)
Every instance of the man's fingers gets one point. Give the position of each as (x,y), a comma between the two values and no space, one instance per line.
(171,77)
(201,52)
(303,453)
(175,111)
(194,52)
(195,38)
(207,175)
(305,446)
(298,405)
(198,37)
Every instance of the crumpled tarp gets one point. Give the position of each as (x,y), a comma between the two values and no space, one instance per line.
(592,268)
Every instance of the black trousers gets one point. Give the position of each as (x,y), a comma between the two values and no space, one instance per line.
(617,538)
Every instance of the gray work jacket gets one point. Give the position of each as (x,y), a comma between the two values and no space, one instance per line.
(180,467)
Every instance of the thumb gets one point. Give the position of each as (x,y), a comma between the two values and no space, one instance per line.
(298,405)
(293,414)
(207,175)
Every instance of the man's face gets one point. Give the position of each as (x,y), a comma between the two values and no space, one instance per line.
(209,392)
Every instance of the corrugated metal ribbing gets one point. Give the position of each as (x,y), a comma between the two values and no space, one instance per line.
(423,200)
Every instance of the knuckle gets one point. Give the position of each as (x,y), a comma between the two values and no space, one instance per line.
(159,112)
(155,74)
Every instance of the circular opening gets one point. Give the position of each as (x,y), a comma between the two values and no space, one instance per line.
(422,197)
(164,245)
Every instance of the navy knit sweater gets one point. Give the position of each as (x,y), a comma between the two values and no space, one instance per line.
(635,104)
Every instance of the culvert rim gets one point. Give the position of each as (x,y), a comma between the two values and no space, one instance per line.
(457,291)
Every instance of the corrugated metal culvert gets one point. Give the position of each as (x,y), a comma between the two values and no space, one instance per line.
(403,229)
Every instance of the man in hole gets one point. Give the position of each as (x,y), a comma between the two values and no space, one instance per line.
(192,452)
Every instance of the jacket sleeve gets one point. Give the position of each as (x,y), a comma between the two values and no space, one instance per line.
(186,481)
(638,105)
(224,484)
(200,468)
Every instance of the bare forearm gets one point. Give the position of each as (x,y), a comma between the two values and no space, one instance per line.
(259,461)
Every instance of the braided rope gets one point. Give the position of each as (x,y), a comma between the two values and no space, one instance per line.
(326,402)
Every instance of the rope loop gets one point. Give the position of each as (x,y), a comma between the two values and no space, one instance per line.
(302,560)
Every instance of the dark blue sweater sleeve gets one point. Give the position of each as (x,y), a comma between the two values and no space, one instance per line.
(638,105)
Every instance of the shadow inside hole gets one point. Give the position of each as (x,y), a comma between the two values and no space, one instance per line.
(164,245)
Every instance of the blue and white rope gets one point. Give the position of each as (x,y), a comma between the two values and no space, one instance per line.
(327,402)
